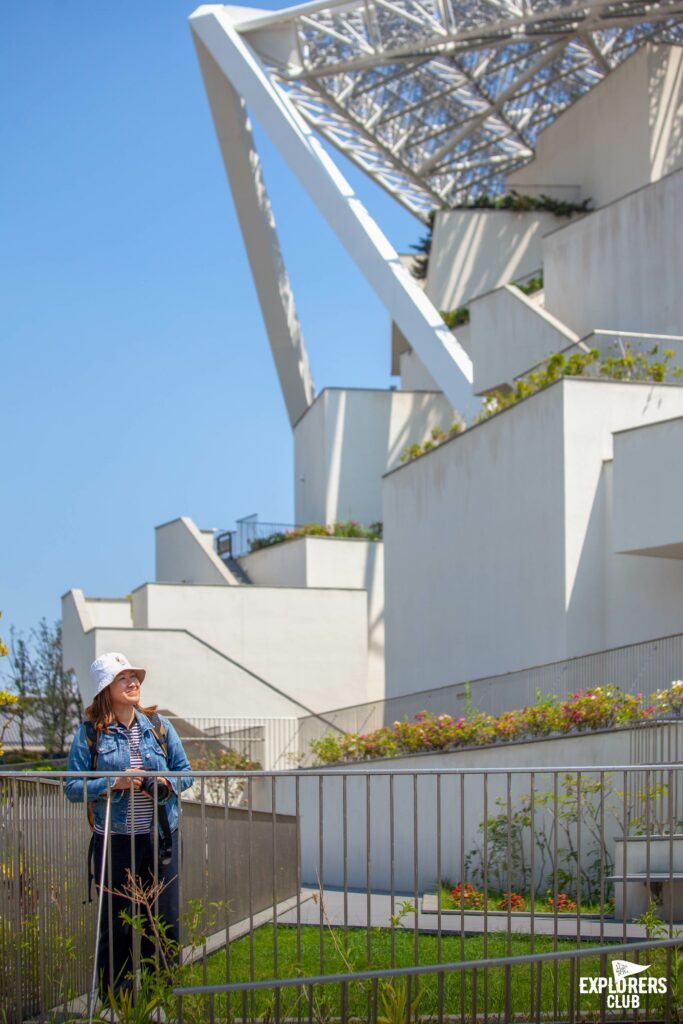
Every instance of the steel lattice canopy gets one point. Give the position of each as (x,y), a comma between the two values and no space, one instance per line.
(439,101)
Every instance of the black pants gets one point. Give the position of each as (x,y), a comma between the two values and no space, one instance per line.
(117,935)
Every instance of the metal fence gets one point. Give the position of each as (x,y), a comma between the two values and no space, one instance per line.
(454,991)
(635,668)
(403,874)
(211,742)
(249,530)
(269,743)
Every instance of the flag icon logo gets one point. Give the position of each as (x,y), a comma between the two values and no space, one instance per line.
(624,968)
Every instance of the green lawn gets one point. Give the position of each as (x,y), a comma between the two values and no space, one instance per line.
(459,991)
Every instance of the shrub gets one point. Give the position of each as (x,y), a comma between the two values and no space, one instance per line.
(436,437)
(598,708)
(563,904)
(626,365)
(532,285)
(351,528)
(467,896)
(511,901)
(455,317)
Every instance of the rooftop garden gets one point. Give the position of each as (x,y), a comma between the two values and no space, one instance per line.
(512,201)
(601,707)
(626,365)
(350,529)
(459,317)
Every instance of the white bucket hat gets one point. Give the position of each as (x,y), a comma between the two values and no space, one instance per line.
(105,669)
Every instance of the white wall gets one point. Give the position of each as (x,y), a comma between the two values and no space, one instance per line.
(457,822)
(648,490)
(354,563)
(509,334)
(312,644)
(466,529)
(183,675)
(611,599)
(475,251)
(78,640)
(620,267)
(348,439)
(110,611)
(184,554)
(282,565)
(331,562)
(414,375)
(624,133)
(498,544)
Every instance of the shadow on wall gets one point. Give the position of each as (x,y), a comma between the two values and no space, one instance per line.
(366,434)
(618,599)
(666,119)
(485,250)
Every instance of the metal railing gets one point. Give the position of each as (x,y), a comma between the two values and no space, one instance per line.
(636,668)
(401,990)
(211,742)
(249,530)
(320,877)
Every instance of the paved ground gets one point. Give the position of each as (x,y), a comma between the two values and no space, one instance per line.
(356,915)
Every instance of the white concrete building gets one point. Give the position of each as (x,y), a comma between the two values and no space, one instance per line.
(217,647)
(541,534)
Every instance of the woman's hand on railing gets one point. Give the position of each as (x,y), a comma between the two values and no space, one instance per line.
(124,781)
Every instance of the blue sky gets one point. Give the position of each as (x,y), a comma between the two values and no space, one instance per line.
(137,382)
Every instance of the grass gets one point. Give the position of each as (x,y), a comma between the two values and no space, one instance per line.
(495,898)
(270,952)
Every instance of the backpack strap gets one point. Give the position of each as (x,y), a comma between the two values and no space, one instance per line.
(91,740)
(160,732)
(161,736)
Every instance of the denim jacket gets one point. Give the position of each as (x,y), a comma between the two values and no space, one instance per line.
(113,752)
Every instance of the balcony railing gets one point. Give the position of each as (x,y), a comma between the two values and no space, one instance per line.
(239,542)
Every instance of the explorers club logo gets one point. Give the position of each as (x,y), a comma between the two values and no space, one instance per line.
(625,989)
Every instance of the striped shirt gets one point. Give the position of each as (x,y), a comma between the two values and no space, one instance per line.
(141,807)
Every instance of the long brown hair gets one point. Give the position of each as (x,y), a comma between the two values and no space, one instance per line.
(101,711)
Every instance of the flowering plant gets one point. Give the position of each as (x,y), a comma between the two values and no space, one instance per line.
(668,702)
(467,896)
(511,901)
(563,904)
(350,528)
(597,708)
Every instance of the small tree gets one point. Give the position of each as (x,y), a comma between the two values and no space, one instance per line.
(20,678)
(57,705)
(8,704)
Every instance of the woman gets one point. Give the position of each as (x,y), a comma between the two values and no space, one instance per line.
(122,736)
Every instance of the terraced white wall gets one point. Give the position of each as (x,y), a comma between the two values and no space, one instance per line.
(332,562)
(648,496)
(498,544)
(348,439)
(623,134)
(620,268)
(474,251)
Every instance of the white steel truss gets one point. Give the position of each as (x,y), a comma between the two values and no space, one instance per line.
(437,101)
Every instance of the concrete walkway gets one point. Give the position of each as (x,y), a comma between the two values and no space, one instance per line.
(355,915)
